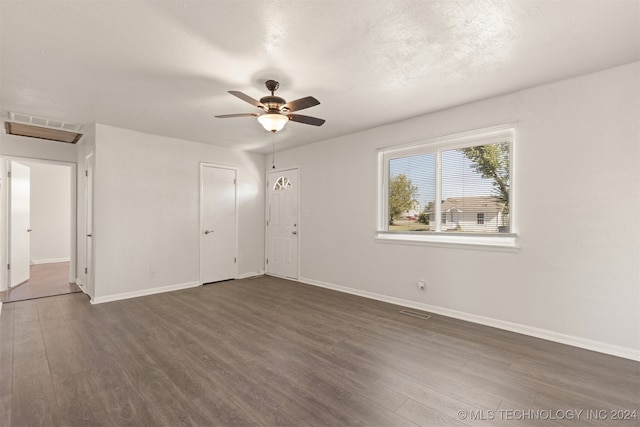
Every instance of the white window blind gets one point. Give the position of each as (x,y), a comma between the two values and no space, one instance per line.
(457,185)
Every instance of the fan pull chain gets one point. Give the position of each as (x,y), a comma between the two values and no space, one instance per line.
(273,152)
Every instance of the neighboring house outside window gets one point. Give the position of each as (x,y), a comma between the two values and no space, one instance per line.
(470,214)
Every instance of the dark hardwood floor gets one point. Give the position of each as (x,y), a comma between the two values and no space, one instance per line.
(271,352)
(45,280)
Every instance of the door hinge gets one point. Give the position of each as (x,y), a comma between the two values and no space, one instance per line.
(234,181)
(8,266)
(86,172)
(9,174)
(235,259)
(267,261)
(86,270)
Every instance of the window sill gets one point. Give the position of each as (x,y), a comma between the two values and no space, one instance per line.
(497,242)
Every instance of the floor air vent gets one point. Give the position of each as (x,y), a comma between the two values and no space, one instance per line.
(415,314)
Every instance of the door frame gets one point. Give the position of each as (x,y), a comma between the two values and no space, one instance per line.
(88,287)
(201,224)
(266,218)
(6,215)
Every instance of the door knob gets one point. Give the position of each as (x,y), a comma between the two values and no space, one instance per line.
(89,235)
(28,230)
(208,231)
(294,232)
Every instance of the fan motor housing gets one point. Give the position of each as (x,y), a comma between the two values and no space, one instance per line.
(272,102)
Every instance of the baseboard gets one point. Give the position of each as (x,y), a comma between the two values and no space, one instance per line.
(49,261)
(614,350)
(143,292)
(254,274)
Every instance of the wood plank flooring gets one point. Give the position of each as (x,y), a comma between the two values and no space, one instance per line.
(45,280)
(271,352)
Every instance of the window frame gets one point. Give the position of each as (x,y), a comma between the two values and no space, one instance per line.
(492,135)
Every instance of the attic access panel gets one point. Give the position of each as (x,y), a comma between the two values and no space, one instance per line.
(39,132)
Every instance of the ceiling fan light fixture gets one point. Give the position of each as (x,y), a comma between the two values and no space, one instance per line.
(275,110)
(273,122)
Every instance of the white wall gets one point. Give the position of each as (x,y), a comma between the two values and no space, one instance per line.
(575,278)
(147,211)
(50,213)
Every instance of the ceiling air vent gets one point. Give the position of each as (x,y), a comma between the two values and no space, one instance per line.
(38,127)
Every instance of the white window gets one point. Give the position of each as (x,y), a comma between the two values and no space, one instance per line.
(454,189)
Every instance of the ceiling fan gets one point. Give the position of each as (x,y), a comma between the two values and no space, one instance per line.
(277,111)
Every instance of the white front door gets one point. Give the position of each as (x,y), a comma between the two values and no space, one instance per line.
(20,218)
(218,223)
(282,223)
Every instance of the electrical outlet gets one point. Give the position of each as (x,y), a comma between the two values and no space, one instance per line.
(152,271)
(421,285)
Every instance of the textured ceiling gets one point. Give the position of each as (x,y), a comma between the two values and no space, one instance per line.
(165,67)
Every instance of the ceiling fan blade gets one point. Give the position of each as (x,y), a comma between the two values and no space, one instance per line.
(307,120)
(247,98)
(301,104)
(227,116)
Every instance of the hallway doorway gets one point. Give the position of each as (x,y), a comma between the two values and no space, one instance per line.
(45,280)
(49,255)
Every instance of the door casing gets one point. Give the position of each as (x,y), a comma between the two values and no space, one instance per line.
(89,273)
(4,206)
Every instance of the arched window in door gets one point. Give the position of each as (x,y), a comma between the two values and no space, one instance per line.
(282,183)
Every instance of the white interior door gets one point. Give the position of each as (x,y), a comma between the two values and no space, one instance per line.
(88,271)
(218,224)
(20,200)
(282,223)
